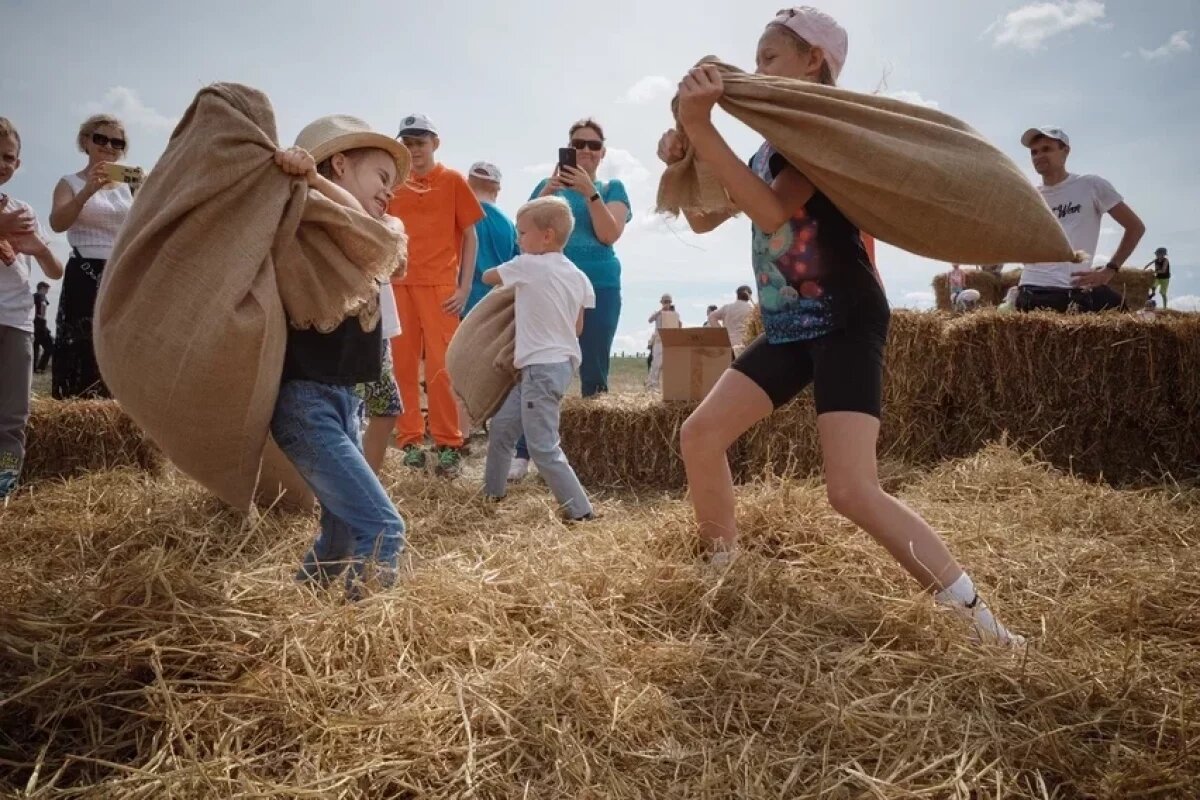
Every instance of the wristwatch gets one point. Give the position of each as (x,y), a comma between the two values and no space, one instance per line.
(594,197)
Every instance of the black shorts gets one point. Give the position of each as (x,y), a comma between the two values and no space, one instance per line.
(845,368)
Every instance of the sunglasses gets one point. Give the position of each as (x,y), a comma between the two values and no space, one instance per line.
(587,144)
(100,140)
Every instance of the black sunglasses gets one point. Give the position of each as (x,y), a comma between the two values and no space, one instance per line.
(587,144)
(100,140)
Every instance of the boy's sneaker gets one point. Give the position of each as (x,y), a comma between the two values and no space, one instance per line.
(9,479)
(414,456)
(449,462)
(518,470)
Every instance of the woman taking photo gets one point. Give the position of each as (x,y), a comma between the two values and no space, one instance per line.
(601,209)
(91,209)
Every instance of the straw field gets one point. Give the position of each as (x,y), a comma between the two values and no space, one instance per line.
(153,645)
(1132,284)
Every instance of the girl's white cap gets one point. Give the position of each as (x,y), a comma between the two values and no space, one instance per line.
(820,30)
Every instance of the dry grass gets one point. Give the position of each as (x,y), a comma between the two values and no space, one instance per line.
(152,645)
(67,439)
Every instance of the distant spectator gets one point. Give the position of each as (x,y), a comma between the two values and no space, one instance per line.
(956,279)
(707,313)
(966,300)
(734,317)
(665,317)
(43,342)
(91,208)
(1162,273)
(1080,203)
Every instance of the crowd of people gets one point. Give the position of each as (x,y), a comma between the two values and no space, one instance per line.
(824,314)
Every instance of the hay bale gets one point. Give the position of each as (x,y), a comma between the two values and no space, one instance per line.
(987,284)
(1104,394)
(68,438)
(1132,284)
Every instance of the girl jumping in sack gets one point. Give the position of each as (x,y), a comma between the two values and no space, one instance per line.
(825,317)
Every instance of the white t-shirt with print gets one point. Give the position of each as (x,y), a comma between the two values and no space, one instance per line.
(16,282)
(551,291)
(1080,203)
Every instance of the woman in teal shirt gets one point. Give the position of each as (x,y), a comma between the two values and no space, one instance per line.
(601,209)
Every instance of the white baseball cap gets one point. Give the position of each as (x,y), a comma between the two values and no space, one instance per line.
(482,169)
(1050,133)
(820,30)
(417,124)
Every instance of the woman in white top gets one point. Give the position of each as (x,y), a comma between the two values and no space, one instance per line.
(91,209)
(665,317)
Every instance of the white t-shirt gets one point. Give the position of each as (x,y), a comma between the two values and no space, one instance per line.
(99,222)
(735,315)
(16,286)
(1080,203)
(551,291)
(389,315)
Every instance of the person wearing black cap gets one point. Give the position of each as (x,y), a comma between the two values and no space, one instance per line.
(1080,203)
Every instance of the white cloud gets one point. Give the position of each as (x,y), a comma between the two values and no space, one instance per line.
(647,90)
(1187,302)
(918,300)
(540,169)
(624,165)
(630,343)
(1029,26)
(1180,42)
(125,104)
(912,97)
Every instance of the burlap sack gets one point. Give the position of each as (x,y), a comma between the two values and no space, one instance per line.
(480,356)
(914,177)
(190,326)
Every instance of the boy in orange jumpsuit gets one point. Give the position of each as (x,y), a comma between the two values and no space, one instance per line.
(439,211)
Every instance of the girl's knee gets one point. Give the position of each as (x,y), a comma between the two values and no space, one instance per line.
(851,497)
(699,433)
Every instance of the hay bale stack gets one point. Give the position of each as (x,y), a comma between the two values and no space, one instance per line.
(625,442)
(69,438)
(987,284)
(1108,394)
(1132,284)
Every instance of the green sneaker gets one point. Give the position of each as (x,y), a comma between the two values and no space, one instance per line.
(449,462)
(414,456)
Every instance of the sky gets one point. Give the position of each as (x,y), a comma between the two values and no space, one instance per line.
(504,81)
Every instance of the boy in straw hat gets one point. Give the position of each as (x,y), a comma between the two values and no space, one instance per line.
(316,419)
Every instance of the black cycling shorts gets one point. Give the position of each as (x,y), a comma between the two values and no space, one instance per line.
(845,368)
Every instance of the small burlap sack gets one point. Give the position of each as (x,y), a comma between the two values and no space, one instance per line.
(190,324)
(481,354)
(914,177)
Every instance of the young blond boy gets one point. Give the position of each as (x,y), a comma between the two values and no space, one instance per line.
(21,243)
(551,294)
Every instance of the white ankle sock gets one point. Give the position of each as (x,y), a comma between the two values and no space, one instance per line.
(962,597)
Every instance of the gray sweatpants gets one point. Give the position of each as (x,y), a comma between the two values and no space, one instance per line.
(16,383)
(533,408)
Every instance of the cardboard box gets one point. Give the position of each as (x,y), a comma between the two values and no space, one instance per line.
(693,360)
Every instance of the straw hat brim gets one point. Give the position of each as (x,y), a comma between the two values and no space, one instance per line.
(367,139)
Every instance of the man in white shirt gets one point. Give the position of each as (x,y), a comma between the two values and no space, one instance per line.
(1080,203)
(734,316)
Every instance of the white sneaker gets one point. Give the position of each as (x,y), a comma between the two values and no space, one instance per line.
(518,470)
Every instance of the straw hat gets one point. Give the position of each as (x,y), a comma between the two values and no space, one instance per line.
(338,133)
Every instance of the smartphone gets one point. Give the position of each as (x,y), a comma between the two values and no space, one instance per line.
(119,173)
(566,158)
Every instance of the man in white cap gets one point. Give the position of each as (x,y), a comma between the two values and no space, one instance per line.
(1080,203)
(439,211)
(496,233)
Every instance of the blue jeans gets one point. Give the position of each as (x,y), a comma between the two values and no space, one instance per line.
(533,408)
(595,345)
(316,425)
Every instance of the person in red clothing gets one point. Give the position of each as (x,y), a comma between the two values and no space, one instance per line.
(439,211)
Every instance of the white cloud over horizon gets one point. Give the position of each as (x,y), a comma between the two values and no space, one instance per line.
(1031,25)
(647,90)
(907,96)
(126,104)
(1177,44)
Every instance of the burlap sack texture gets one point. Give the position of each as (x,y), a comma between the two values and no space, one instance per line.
(190,324)
(481,354)
(914,177)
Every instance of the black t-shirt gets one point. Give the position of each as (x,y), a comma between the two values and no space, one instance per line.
(345,356)
(39,305)
(1162,268)
(813,274)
